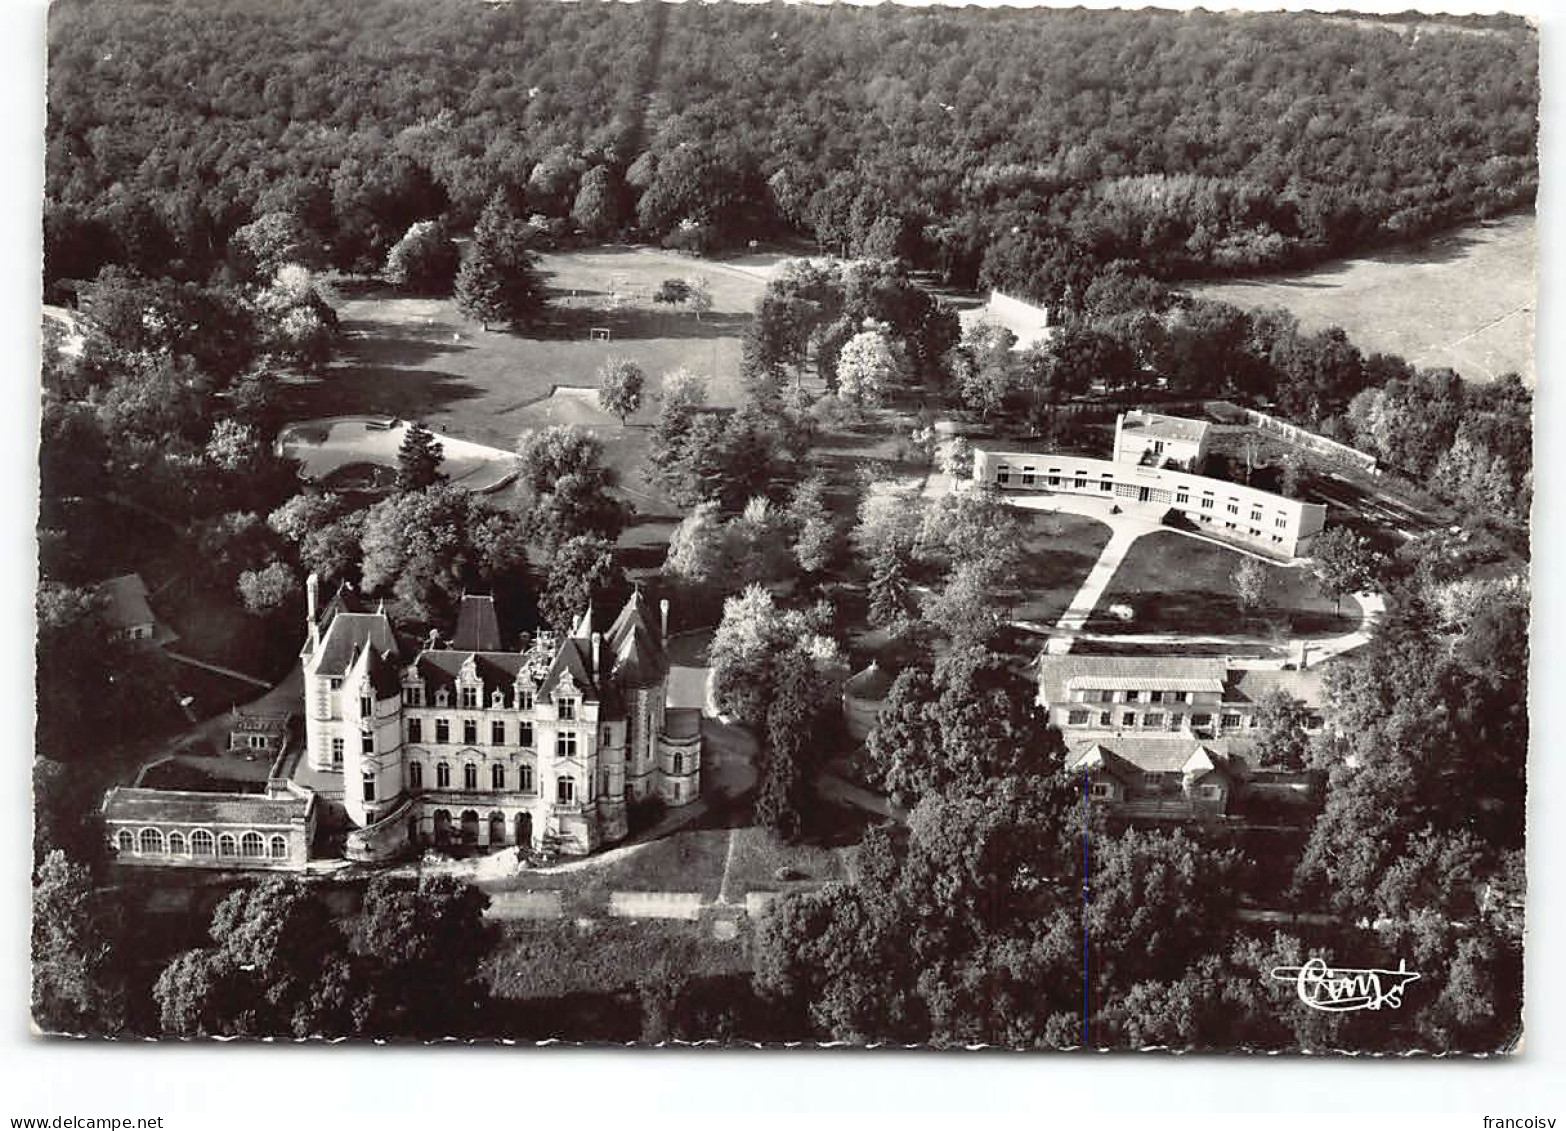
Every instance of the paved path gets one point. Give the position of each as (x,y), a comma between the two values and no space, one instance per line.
(1075,618)
(230,672)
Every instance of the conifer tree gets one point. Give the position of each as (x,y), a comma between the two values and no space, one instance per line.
(499,280)
(419,459)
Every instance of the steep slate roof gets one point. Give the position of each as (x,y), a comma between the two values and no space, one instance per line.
(345,600)
(384,673)
(1174,754)
(151,806)
(1167,427)
(478,628)
(440,668)
(350,632)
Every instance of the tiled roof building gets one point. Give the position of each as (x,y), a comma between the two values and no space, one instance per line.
(471,743)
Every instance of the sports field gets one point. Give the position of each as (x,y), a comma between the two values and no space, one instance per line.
(419,359)
(1464,299)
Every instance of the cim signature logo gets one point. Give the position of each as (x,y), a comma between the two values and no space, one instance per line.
(1339,991)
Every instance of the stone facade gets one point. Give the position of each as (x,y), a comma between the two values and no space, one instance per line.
(542,746)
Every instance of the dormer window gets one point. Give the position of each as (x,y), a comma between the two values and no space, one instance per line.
(470,697)
(524,699)
(442,697)
(565,708)
(413,696)
(366,707)
(497,698)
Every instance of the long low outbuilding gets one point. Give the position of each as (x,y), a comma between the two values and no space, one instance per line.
(1271,522)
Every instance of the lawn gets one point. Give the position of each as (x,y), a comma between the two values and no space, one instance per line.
(578,981)
(419,359)
(1058,552)
(1179,584)
(1464,299)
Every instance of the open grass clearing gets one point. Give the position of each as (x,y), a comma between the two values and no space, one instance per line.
(1464,299)
(1174,583)
(1058,552)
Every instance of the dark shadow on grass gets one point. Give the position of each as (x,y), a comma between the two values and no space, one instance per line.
(576,323)
(354,388)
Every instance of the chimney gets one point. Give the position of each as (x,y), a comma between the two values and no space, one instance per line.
(596,659)
(663,619)
(312,594)
(434,640)
(1299,659)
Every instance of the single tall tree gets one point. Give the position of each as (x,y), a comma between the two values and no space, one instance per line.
(419,458)
(620,384)
(499,280)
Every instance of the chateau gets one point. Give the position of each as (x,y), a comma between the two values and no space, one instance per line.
(444,742)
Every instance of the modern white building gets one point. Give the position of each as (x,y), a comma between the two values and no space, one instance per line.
(1146,473)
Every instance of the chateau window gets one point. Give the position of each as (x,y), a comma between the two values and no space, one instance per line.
(415,730)
(608,735)
(1176,721)
(469,698)
(1077,718)
(1179,696)
(1232,508)
(201,843)
(1081,481)
(442,697)
(469,776)
(677,791)
(565,790)
(1153,719)
(279,848)
(442,730)
(1230,720)
(366,707)
(1207,504)
(1182,496)
(1256,514)
(497,733)
(1201,720)
(497,777)
(227,846)
(151,841)
(1101,790)
(335,683)
(442,775)
(415,775)
(1155,696)
(497,699)
(1106,696)
(565,744)
(1132,696)
(176,844)
(337,752)
(524,699)
(565,708)
(367,744)
(679,761)
(252,845)
(1104,718)
(525,734)
(413,696)
(525,779)
(1106,485)
(604,792)
(1128,719)
(470,732)
(368,782)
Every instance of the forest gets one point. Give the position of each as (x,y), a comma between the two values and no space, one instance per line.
(1002,147)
